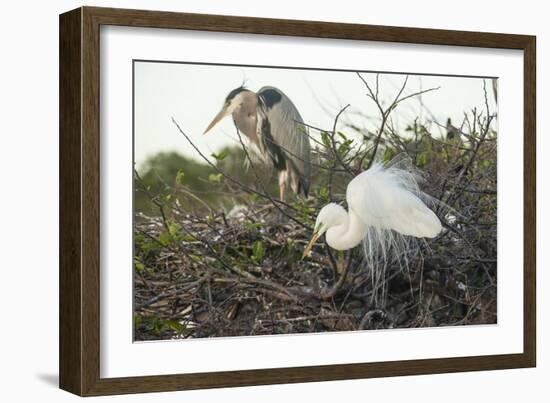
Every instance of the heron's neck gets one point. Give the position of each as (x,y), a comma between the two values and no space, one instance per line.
(245,115)
(348,234)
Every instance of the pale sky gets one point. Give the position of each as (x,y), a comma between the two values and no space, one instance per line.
(193,95)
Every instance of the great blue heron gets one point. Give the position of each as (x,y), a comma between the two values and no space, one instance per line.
(384,202)
(274,126)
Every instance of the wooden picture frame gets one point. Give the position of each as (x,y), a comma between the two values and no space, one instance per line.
(79,280)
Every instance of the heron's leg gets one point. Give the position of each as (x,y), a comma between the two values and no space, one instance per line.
(283,178)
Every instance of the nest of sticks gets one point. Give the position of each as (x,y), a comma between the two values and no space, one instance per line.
(243,274)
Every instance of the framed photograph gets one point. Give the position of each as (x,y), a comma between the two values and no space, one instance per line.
(249,201)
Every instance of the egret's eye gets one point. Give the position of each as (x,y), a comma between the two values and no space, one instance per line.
(318,227)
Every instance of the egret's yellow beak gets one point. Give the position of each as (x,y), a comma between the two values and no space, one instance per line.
(311,243)
(215,121)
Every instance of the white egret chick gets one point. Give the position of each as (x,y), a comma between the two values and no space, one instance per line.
(382,199)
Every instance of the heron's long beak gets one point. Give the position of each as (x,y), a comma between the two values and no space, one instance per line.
(311,243)
(215,121)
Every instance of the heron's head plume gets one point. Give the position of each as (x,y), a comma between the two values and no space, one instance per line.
(233,93)
(229,105)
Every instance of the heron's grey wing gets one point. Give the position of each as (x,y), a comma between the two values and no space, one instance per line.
(283,133)
(385,198)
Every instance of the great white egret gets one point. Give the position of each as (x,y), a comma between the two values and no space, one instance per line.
(385,204)
(275,128)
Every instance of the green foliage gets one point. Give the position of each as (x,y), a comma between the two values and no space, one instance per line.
(175,326)
(220,156)
(165,239)
(422,159)
(345,145)
(173,229)
(250,226)
(325,139)
(138,319)
(322,194)
(140,267)
(258,251)
(158,325)
(170,177)
(145,245)
(168,169)
(179,177)
(305,210)
(389,153)
(215,178)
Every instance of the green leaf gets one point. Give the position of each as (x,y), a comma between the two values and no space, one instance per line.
(325,139)
(344,147)
(137,320)
(258,251)
(165,238)
(323,194)
(216,178)
(147,247)
(220,156)
(302,129)
(175,325)
(343,136)
(422,159)
(196,258)
(174,228)
(389,153)
(179,177)
(139,266)
(252,225)
(156,324)
(188,238)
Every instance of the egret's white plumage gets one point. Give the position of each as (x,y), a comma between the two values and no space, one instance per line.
(387,213)
(384,205)
(389,198)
